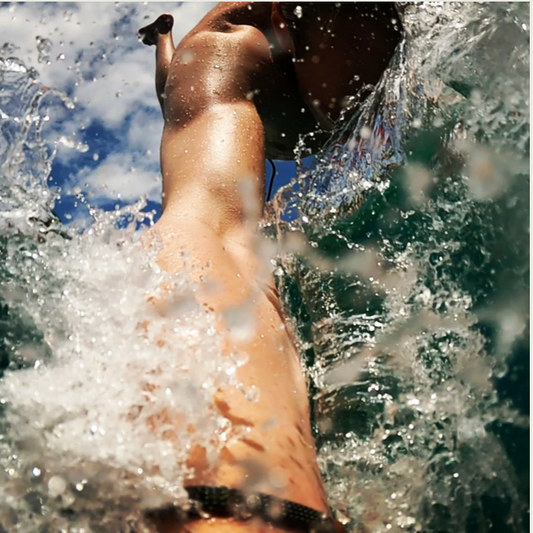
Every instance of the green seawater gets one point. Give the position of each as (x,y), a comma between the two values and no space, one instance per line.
(406,272)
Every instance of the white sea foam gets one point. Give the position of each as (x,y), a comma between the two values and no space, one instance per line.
(104,395)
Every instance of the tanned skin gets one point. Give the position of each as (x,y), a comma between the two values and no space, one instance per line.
(231,94)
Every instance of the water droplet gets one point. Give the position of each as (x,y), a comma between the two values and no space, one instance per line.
(365,132)
(56,486)
(241,358)
(43,49)
(276,510)
(252,393)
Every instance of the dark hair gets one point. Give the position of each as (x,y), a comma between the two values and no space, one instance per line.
(291,12)
(298,14)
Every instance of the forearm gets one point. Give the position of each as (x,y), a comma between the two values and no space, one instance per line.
(212,159)
(217,158)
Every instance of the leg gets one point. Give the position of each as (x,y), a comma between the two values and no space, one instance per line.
(159,33)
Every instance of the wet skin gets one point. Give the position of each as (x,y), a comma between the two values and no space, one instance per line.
(305,85)
(228,92)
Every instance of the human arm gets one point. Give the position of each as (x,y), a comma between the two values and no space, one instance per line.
(212,160)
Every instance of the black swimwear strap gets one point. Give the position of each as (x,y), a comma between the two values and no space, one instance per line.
(222,502)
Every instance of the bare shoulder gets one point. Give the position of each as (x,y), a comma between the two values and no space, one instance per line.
(226,15)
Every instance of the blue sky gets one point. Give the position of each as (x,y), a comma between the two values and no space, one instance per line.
(107,146)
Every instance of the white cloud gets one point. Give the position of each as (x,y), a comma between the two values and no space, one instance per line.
(121,88)
(97,41)
(118,177)
(144,133)
(83,28)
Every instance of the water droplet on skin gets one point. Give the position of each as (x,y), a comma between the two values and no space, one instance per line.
(252,393)
(241,358)
(278,477)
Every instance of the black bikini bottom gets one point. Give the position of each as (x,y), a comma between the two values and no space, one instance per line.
(222,502)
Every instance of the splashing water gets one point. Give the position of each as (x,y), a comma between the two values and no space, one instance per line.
(404,267)
(406,271)
(94,390)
